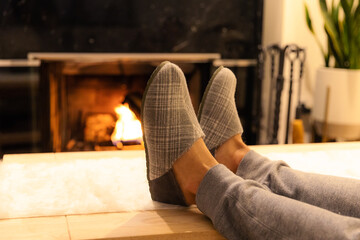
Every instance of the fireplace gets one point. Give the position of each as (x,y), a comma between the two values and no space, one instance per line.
(79,94)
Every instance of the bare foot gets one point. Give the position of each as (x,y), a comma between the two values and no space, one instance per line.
(232,152)
(191,168)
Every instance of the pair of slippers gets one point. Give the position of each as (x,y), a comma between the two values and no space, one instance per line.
(170,125)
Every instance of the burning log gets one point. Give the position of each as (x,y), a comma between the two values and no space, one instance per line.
(98,127)
(127,130)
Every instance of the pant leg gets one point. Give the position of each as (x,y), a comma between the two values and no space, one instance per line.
(245,209)
(339,195)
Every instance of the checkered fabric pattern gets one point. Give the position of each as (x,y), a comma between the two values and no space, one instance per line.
(169,122)
(218,116)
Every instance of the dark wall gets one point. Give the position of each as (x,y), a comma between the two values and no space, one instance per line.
(231,27)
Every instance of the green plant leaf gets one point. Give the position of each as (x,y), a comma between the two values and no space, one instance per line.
(331,31)
(309,24)
(332,52)
(342,31)
(351,3)
(346,5)
(345,38)
(356,17)
(349,30)
(323,5)
(335,14)
(356,38)
(308,19)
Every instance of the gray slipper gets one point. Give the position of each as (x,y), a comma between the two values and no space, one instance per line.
(170,128)
(217,114)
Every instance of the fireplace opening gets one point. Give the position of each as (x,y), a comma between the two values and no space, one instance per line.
(82,101)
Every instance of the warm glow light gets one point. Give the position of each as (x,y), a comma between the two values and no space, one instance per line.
(128,127)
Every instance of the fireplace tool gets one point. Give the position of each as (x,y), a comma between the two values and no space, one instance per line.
(279,87)
(298,125)
(292,54)
(302,57)
(273,51)
(260,77)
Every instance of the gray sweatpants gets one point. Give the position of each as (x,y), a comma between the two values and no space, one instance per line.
(268,200)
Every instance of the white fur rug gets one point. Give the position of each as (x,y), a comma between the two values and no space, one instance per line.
(342,163)
(118,184)
(74,187)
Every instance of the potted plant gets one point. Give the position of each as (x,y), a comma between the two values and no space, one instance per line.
(337,90)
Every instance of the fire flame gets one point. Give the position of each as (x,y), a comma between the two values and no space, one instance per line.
(128,127)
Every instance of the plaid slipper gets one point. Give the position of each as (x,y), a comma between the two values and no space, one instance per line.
(217,114)
(170,128)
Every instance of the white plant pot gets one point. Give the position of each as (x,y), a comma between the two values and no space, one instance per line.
(343,118)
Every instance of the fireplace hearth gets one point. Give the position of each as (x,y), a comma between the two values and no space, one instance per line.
(79,94)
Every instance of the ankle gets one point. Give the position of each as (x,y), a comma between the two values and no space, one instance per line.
(232,152)
(191,168)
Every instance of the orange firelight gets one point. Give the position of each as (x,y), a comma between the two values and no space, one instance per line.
(128,127)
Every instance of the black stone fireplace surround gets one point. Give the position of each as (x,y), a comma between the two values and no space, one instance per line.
(231,28)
